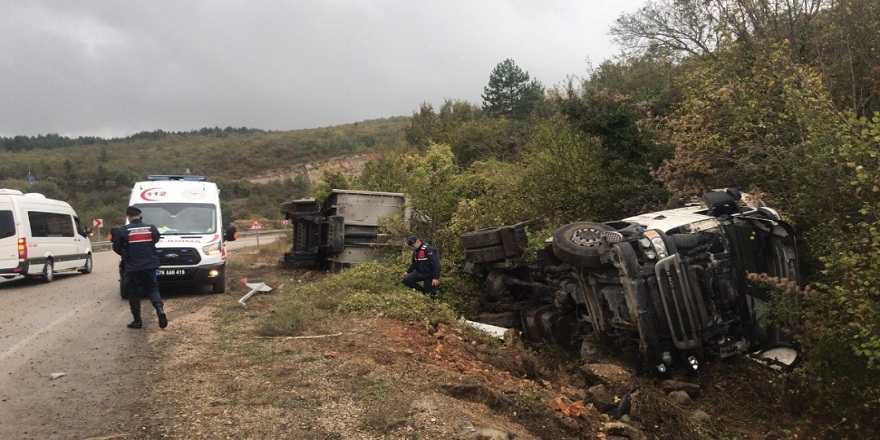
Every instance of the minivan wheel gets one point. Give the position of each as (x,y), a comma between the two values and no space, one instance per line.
(88,266)
(49,272)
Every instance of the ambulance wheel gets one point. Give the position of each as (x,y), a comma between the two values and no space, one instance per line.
(219,284)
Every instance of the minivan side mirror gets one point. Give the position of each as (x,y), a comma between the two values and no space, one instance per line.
(231,233)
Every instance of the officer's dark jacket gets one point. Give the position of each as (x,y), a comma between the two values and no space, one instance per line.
(136,243)
(425,259)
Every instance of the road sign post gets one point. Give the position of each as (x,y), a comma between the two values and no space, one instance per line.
(97,224)
(257,227)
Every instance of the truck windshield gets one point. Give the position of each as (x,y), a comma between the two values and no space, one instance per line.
(181,218)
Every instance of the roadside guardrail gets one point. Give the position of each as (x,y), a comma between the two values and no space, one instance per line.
(106,244)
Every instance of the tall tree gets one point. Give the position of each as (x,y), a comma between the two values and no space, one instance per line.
(847,51)
(422,126)
(685,27)
(511,93)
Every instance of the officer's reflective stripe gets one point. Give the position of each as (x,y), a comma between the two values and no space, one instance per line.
(136,235)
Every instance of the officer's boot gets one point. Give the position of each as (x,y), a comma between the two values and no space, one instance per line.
(160,312)
(137,323)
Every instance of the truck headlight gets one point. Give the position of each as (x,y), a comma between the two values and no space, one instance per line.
(212,249)
(660,247)
(657,242)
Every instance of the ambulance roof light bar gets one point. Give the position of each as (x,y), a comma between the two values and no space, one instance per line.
(187,177)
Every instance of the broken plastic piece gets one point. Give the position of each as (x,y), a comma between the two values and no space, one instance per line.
(492,330)
(778,357)
(255,287)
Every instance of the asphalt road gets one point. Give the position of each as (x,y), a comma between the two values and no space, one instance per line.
(75,325)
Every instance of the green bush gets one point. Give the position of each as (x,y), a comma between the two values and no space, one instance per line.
(368,289)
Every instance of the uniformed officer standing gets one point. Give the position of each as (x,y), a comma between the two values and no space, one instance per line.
(136,243)
(425,267)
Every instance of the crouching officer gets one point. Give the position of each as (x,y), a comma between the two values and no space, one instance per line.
(425,267)
(136,243)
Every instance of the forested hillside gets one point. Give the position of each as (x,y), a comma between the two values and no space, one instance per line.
(96,175)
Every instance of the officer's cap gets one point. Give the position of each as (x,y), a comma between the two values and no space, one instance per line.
(132,211)
(411,240)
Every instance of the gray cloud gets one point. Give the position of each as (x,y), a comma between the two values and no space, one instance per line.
(114,68)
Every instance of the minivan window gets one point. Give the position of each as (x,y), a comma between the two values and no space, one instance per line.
(79,227)
(49,224)
(7,224)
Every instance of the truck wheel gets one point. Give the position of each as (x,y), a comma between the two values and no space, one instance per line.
(49,272)
(579,244)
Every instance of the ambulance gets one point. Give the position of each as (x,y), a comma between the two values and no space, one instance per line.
(186,210)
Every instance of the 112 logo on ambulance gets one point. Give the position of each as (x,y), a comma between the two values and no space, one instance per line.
(153,194)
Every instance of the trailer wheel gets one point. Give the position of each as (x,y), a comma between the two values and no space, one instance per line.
(580,244)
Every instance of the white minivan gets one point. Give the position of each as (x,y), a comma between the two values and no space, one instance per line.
(40,237)
(186,210)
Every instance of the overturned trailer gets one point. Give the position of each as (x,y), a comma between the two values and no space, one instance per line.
(668,288)
(342,231)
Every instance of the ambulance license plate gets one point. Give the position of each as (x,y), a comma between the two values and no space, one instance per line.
(161,272)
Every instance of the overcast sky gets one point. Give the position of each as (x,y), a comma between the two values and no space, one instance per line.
(114,68)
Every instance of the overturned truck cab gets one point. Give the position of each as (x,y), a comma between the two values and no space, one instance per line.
(669,289)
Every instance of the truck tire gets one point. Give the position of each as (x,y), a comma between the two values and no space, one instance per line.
(579,244)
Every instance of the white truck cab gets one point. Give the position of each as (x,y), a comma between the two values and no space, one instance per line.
(186,210)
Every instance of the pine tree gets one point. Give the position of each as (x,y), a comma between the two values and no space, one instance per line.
(511,93)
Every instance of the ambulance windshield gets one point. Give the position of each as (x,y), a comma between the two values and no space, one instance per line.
(181,218)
